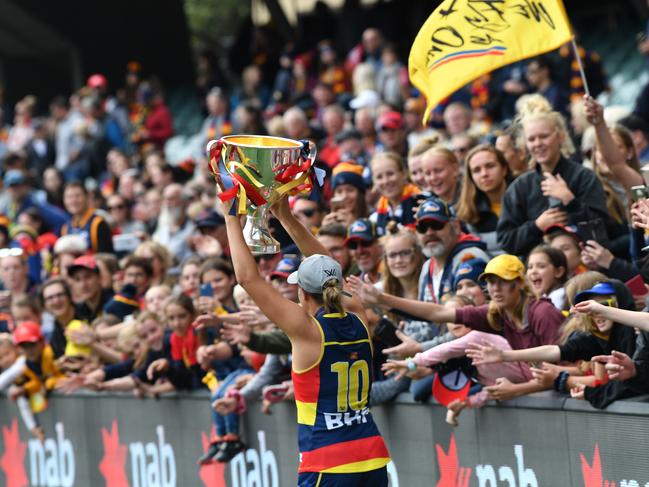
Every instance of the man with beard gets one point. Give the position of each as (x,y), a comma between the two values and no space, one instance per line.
(446,247)
(363,244)
(174,228)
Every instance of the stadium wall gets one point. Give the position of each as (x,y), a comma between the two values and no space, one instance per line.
(117,441)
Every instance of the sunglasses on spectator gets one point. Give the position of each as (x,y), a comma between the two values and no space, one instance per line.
(308,213)
(424,226)
(11,252)
(354,244)
(27,345)
(116,207)
(610,302)
(403,254)
(461,149)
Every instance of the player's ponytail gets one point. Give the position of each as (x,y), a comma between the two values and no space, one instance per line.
(332,297)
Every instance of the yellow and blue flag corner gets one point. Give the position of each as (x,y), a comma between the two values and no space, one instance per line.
(464,39)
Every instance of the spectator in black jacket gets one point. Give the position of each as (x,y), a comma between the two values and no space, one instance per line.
(556,191)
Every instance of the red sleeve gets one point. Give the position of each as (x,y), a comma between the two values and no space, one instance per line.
(159,124)
(474,317)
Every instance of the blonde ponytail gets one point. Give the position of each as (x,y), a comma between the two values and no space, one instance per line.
(332,297)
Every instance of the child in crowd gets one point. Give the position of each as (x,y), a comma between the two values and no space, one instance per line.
(12,364)
(181,368)
(467,282)
(25,308)
(141,345)
(547,270)
(156,297)
(464,337)
(603,336)
(566,239)
(40,375)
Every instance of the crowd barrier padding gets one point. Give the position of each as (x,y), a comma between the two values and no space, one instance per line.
(116,440)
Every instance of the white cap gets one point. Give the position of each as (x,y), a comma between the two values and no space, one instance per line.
(314,271)
(366,98)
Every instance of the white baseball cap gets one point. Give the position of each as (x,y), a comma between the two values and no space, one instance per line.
(314,271)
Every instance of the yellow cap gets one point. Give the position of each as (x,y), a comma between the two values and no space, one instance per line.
(505,266)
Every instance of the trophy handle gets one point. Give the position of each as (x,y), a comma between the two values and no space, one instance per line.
(257,234)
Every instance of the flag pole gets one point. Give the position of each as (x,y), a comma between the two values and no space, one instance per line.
(581,66)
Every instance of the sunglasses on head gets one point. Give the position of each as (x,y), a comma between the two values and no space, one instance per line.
(354,244)
(425,225)
(11,252)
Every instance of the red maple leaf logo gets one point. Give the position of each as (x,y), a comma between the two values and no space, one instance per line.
(212,474)
(450,473)
(13,459)
(593,473)
(113,463)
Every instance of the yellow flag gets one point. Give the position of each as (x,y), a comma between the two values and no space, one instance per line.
(464,39)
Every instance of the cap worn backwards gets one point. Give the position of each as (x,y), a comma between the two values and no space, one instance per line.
(314,272)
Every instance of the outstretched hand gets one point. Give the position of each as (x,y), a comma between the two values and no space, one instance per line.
(398,368)
(367,293)
(590,307)
(407,348)
(618,365)
(484,354)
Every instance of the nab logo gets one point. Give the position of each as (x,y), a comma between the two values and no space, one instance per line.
(255,468)
(51,464)
(12,461)
(153,464)
(453,475)
(594,477)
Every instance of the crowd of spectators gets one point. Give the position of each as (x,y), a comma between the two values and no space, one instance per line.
(505,229)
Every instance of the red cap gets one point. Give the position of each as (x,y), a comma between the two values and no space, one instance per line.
(83,262)
(27,332)
(389,120)
(451,386)
(97,81)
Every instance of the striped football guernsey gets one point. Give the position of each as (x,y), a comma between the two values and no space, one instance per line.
(336,431)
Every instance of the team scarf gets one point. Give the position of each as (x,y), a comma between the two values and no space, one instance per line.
(184,347)
(384,211)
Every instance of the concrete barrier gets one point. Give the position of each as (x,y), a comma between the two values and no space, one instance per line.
(116,441)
